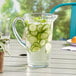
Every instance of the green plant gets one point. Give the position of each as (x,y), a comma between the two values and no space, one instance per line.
(2,44)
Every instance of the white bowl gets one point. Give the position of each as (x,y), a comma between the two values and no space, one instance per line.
(70,42)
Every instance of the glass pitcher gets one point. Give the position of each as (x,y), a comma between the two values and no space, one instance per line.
(38,36)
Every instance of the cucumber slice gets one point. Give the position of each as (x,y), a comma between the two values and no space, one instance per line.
(35,47)
(46,27)
(39,28)
(42,42)
(31,39)
(36,44)
(39,36)
(44,35)
(48,31)
(34,33)
(32,27)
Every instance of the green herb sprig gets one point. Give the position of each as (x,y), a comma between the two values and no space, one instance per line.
(2,44)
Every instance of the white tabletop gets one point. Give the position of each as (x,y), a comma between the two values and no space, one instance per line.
(62,62)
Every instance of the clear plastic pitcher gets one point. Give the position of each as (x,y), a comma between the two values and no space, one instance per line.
(38,36)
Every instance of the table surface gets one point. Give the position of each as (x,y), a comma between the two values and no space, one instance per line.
(62,62)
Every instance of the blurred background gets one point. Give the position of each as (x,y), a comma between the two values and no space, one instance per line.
(14,8)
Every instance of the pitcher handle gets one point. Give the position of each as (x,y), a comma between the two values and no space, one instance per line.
(22,42)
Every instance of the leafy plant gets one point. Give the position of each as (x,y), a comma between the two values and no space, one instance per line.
(2,44)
